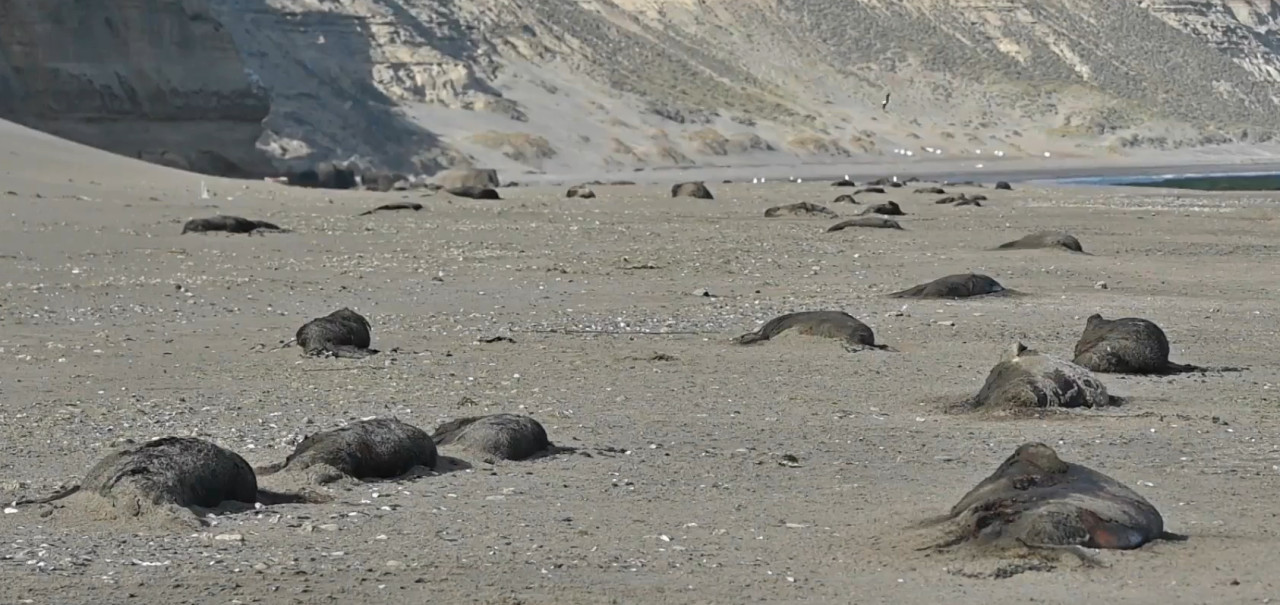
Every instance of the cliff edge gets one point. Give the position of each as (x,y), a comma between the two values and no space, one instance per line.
(159,80)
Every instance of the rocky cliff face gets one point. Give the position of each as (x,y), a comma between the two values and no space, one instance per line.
(156,79)
(589,85)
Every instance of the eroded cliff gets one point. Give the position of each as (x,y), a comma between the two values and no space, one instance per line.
(156,79)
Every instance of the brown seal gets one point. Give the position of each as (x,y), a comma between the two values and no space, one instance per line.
(1129,345)
(799,208)
(825,324)
(960,285)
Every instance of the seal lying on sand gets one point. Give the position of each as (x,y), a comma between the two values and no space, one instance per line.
(475,193)
(1028,379)
(878,222)
(1044,239)
(343,333)
(799,208)
(415,206)
(936,190)
(869,190)
(169,474)
(581,191)
(887,209)
(960,285)
(379,448)
(694,189)
(230,224)
(844,199)
(1129,345)
(844,183)
(1036,501)
(498,436)
(826,324)
(1004,186)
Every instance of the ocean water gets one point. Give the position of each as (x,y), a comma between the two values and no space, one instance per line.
(1259,181)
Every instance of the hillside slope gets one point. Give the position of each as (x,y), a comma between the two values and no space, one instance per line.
(594,85)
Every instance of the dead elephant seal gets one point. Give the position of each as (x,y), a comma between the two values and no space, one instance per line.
(379,448)
(844,199)
(937,190)
(825,324)
(1129,345)
(695,189)
(887,209)
(166,474)
(581,191)
(799,208)
(960,285)
(343,333)
(227,223)
(1026,379)
(844,183)
(497,436)
(1036,501)
(1044,239)
(415,206)
(869,190)
(474,192)
(876,222)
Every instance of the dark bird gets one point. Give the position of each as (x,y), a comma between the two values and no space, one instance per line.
(885,105)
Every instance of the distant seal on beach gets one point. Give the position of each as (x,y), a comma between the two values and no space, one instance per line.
(378,448)
(869,190)
(581,191)
(877,222)
(695,189)
(415,206)
(888,208)
(1035,501)
(799,208)
(844,199)
(960,285)
(343,333)
(497,436)
(938,190)
(474,192)
(844,183)
(1129,345)
(839,325)
(1044,239)
(1026,379)
(227,223)
(1004,186)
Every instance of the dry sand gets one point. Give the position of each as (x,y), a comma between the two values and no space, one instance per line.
(115,326)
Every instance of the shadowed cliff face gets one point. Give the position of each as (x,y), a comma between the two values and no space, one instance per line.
(155,79)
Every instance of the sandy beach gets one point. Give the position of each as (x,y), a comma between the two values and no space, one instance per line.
(705,472)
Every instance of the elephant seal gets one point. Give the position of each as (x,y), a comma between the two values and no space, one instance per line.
(581,191)
(694,189)
(960,285)
(497,436)
(415,206)
(888,209)
(936,190)
(825,324)
(229,224)
(1129,345)
(878,222)
(1036,501)
(343,333)
(869,190)
(1026,379)
(1004,186)
(1044,239)
(168,476)
(844,199)
(474,192)
(799,208)
(378,448)
(844,183)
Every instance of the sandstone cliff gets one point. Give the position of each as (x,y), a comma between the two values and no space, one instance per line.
(157,79)
(582,85)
